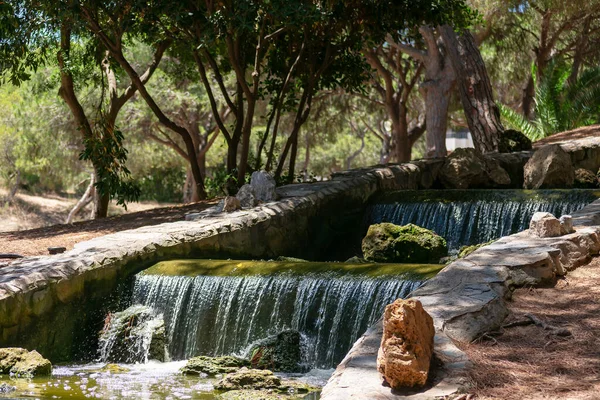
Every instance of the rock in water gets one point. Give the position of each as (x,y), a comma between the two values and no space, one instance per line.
(136,334)
(249,379)
(23,363)
(212,366)
(407,344)
(549,167)
(246,196)
(281,352)
(264,186)
(544,224)
(387,242)
(465,168)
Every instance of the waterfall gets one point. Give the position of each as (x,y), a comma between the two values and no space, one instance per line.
(217,315)
(475,216)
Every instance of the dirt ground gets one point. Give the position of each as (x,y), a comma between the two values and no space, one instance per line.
(530,362)
(579,133)
(36,241)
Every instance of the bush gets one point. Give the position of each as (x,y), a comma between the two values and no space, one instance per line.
(163,184)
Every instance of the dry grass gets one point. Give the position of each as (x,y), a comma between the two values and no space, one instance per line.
(529,362)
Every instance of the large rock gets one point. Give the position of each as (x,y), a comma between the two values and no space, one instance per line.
(387,242)
(407,344)
(585,179)
(249,379)
(281,352)
(264,186)
(544,224)
(212,366)
(549,167)
(246,196)
(136,334)
(465,168)
(23,363)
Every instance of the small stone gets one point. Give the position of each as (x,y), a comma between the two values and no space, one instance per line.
(264,186)
(544,224)
(246,197)
(249,379)
(6,388)
(231,204)
(566,224)
(407,344)
(56,250)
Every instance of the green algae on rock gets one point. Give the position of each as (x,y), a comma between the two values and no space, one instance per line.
(22,363)
(246,378)
(212,366)
(201,267)
(280,352)
(466,250)
(387,242)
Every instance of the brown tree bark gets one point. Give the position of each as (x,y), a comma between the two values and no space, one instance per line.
(481,112)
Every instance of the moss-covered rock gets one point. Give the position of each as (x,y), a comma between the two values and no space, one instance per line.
(114,369)
(23,363)
(585,179)
(212,366)
(466,250)
(281,352)
(387,242)
(246,378)
(512,140)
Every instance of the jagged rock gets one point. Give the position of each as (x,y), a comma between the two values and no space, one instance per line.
(387,242)
(231,204)
(248,379)
(566,224)
(512,140)
(212,366)
(246,196)
(585,179)
(407,344)
(264,186)
(23,363)
(6,388)
(281,352)
(136,334)
(549,167)
(465,168)
(544,224)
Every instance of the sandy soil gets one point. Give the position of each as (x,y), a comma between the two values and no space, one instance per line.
(45,215)
(530,362)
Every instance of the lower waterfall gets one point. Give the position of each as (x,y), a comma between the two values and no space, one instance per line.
(465,217)
(217,315)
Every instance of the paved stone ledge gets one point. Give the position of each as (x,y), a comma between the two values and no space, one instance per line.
(467,299)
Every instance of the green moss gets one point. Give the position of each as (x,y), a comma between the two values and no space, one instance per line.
(250,268)
(212,366)
(387,242)
(466,250)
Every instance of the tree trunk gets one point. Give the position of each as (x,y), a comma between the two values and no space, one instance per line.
(481,112)
(528,99)
(13,190)
(437,101)
(87,197)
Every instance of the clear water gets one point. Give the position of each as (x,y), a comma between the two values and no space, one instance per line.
(143,381)
(465,217)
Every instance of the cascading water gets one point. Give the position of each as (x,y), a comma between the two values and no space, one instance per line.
(475,216)
(216,315)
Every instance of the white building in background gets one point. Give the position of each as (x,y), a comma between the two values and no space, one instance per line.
(458,138)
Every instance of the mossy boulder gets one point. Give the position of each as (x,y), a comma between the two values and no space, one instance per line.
(512,140)
(585,179)
(212,366)
(246,378)
(410,243)
(280,352)
(23,363)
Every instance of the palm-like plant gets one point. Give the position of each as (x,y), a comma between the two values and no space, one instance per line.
(559,105)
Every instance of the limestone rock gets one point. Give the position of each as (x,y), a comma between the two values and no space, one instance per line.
(549,167)
(246,196)
(512,140)
(248,379)
(465,168)
(387,242)
(23,363)
(212,366)
(231,204)
(544,224)
(566,224)
(585,179)
(407,344)
(281,352)
(264,186)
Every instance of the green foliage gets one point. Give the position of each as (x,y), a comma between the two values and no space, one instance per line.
(559,105)
(217,185)
(106,152)
(163,184)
